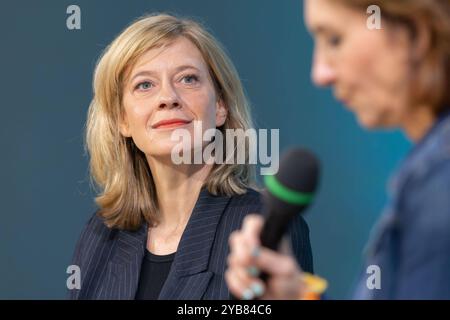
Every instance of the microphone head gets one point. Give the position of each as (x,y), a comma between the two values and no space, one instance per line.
(292,189)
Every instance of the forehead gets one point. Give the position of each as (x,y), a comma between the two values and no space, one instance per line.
(180,51)
(330,14)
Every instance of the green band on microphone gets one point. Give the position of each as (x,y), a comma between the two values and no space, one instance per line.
(286,194)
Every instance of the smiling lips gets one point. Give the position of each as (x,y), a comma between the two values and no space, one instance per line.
(170,123)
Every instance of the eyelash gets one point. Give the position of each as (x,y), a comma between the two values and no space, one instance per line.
(140,83)
(193,76)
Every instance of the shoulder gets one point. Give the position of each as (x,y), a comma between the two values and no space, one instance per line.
(96,228)
(252,202)
(431,155)
(238,207)
(424,211)
(94,235)
(250,198)
(243,204)
(429,192)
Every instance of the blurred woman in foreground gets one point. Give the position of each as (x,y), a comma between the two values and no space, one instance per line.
(394,77)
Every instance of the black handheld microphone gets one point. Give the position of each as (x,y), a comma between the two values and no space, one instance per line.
(288,193)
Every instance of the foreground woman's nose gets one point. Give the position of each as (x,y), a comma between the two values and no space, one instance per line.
(322,74)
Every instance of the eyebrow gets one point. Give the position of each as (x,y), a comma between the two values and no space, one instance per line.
(152,73)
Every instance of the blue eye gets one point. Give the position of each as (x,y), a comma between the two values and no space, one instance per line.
(144,85)
(190,79)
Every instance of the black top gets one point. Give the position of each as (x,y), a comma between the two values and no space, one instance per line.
(154,272)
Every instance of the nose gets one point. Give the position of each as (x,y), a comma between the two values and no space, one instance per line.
(323,73)
(168,97)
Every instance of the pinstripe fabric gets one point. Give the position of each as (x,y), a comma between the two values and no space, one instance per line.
(110,259)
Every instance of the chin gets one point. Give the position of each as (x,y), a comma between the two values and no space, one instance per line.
(162,149)
(369,122)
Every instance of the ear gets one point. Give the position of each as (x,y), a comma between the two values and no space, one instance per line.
(221,113)
(421,41)
(124,127)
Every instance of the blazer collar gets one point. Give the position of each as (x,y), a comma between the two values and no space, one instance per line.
(194,250)
(122,275)
(192,257)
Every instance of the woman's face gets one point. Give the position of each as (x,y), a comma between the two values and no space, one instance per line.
(168,89)
(368,69)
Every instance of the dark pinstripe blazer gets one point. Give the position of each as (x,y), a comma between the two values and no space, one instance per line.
(110,259)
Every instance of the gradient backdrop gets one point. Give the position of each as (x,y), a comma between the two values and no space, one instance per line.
(45,83)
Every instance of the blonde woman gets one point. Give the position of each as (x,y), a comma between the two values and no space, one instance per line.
(162,229)
(395,77)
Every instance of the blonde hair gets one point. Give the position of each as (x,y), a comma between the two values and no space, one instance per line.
(432,74)
(128,196)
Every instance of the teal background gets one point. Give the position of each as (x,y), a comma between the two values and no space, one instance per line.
(45,82)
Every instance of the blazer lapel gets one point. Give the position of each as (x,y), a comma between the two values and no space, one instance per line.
(188,277)
(122,275)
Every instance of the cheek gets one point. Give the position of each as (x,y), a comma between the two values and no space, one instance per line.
(364,75)
(138,113)
(203,105)
(377,65)
(357,61)
(373,73)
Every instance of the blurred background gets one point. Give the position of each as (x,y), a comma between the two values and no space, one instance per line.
(45,83)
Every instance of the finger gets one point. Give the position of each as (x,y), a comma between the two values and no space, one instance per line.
(275,264)
(240,250)
(286,246)
(239,283)
(251,228)
(246,282)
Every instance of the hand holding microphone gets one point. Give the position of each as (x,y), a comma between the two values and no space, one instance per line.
(248,259)
(255,269)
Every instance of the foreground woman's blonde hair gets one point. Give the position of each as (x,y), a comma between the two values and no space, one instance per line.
(127,193)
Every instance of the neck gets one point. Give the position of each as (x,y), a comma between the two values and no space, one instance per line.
(177,189)
(418,122)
